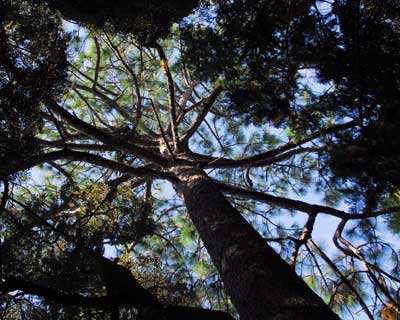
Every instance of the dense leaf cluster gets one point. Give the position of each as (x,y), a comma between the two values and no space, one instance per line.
(261,50)
(256,48)
(32,70)
(49,243)
(367,89)
(147,20)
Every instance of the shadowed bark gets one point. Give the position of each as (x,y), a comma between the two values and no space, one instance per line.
(261,285)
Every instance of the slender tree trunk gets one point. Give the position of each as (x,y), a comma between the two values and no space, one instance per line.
(261,285)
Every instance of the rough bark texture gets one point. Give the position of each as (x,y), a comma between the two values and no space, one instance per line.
(261,285)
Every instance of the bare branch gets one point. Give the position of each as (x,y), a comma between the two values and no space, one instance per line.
(257,161)
(162,130)
(273,156)
(171,90)
(62,170)
(207,104)
(354,251)
(92,159)
(82,74)
(86,101)
(305,235)
(134,79)
(343,278)
(186,95)
(298,205)
(103,136)
(58,127)
(113,103)
(98,57)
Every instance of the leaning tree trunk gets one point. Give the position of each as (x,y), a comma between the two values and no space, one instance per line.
(261,285)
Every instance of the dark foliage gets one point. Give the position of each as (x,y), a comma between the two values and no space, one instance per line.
(259,47)
(147,20)
(63,251)
(253,45)
(33,69)
(367,88)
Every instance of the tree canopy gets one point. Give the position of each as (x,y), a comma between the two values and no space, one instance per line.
(154,170)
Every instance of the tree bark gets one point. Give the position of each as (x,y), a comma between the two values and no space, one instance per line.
(261,285)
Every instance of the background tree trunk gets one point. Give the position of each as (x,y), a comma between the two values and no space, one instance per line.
(261,285)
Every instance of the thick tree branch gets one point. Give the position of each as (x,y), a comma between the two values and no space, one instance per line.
(305,235)
(74,146)
(92,159)
(98,58)
(103,136)
(272,156)
(256,161)
(103,302)
(12,284)
(298,205)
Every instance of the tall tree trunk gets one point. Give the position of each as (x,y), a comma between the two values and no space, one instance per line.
(261,285)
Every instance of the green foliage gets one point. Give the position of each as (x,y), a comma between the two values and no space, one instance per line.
(70,207)
(394,219)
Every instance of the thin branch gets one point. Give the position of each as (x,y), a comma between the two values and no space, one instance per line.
(98,57)
(343,278)
(86,101)
(171,96)
(162,130)
(113,103)
(360,256)
(58,128)
(62,170)
(91,80)
(207,104)
(186,95)
(257,162)
(317,265)
(134,79)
